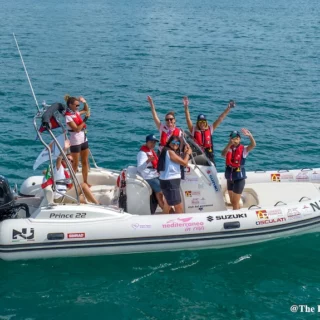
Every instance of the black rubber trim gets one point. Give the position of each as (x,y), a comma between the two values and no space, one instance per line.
(166,239)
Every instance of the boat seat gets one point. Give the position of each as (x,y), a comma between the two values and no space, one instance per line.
(269,193)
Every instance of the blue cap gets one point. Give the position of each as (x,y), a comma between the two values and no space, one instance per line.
(151,137)
(201,117)
(235,134)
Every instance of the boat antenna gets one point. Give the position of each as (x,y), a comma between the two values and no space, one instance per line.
(25,69)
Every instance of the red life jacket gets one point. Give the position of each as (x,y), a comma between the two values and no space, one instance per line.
(203,138)
(49,182)
(165,135)
(76,117)
(145,149)
(234,157)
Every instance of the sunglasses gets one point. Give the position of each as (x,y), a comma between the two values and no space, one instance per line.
(175,142)
(169,119)
(202,121)
(70,160)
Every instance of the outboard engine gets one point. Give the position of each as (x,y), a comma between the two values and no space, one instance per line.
(8,206)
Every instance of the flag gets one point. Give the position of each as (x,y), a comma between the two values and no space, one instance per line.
(47,179)
(44,155)
(53,122)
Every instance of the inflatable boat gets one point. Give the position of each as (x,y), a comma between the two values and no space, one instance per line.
(274,205)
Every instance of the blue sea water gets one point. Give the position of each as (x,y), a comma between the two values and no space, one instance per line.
(263,54)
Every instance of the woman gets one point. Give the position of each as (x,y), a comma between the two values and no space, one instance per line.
(78,138)
(60,174)
(170,174)
(202,132)
(167,130)
(236,154)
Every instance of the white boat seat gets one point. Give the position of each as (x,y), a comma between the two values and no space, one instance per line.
(269,193)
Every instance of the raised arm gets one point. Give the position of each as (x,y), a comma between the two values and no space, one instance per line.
(154,113)
(252,144)
(187,113)
(223,115)
(226,149)
(85,109)
(65,148)
(177,159)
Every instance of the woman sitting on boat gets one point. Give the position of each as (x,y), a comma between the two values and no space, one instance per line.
(236,154)
(147,163)
(170,173)
(77,129)
(202,132)
(166,130)
(60,173)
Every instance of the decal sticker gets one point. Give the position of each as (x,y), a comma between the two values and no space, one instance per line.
(79,215)
(275,177)
(79,235)
(187,170)
(262,214)
(286,176)
(136,226)
(293,214)
(24,234)
(184,223)
(191,180)
(302,176)
(190,193)
(212,180)
(274,212)
(270,221)
(315,206)
(227,216)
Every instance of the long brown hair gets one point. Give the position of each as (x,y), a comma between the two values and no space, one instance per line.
(69,100)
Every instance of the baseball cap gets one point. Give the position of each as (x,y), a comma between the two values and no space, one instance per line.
(201,117)
(151,137)
(235,134)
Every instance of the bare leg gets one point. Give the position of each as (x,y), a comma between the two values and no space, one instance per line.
(230,192)
(178,208)
(159,196)
(75,162)
(166,207)
(236,201)
(85,165)
(89,195)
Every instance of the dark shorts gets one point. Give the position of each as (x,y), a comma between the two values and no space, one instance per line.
(236,186)
(79,147)
(154,184)
(171,191)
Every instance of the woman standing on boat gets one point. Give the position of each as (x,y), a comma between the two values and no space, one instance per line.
(236,154)
(170,173)
(166,130)
(202,132)
(78,137)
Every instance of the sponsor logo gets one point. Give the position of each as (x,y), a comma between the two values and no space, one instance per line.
(227,216)
(188,224)
(24,234)
(76,235)
(275,177)
(262,214)
(286,176)
(315,206)
(79,215)
(274,212)
(212,180)
(302,176)
(187,170)
(191,179)
(136,226)
(270,221)
(195,201)
(192,193)
(293,214)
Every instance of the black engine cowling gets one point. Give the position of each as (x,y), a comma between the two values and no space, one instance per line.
(8,206)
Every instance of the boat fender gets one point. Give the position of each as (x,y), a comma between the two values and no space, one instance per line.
(231,225)
(55,236)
